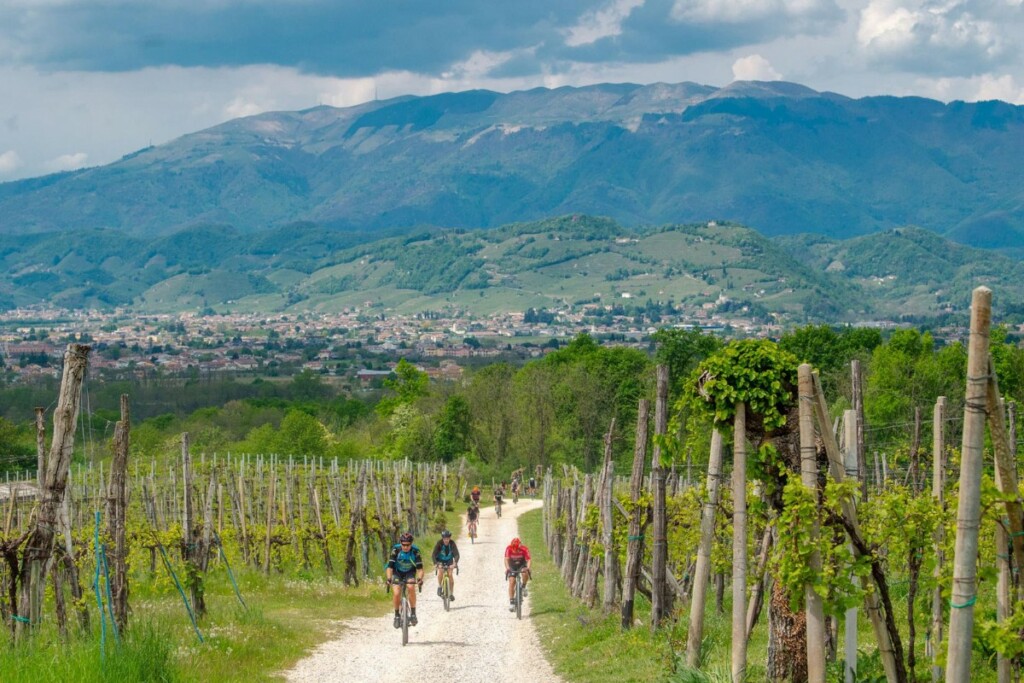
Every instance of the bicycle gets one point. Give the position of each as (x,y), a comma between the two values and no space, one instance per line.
(518,594)
(472,532)
(515,495)
(446,585)
(497,507)
(405,611)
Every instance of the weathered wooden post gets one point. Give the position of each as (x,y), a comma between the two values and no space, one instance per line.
(611,556)
(695,634)
(39,545)
(965,556)
(809,477)
(117,508)
(659,554)
(634,548)
(739,546)
(40,448)
(858,408)
(934,641)
(189,533)
(852,460)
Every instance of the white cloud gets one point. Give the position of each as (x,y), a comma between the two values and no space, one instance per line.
(9,162)
(939,34)
(239,107)
(974,89)
(67,162)
(754,68)
(742,11)
(478,64)
(601,23)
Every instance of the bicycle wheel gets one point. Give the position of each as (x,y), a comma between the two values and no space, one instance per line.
(405,617)
(446,591)
(519,596)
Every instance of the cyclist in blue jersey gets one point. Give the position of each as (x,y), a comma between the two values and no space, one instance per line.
(445,556)
(405,565)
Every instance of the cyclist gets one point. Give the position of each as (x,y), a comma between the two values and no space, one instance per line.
(472,517)
(515,490)
(405,565)
(532,488)
(499,493)
(474,496)
(445,554)
(517,557)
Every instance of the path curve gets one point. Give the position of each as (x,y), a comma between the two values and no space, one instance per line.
(478,638)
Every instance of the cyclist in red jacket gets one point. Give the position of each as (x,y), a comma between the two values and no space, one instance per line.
(517,558)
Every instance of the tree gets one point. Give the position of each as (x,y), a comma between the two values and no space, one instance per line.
(407,385)
(681,350)
(451,436)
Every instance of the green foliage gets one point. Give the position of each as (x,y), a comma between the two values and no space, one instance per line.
(681,351)
(757,372)
(407,385)
(451,436)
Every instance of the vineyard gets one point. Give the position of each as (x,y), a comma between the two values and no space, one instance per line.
(840,561)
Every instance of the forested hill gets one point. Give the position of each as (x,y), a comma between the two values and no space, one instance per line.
(778,157)
(562,263)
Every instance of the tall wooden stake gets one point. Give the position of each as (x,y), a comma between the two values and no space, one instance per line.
(117,508)
(938,486)
(739,546)
(809,477)
(850,627)
(965,557)
(659,551)
(695,635)
(634,547)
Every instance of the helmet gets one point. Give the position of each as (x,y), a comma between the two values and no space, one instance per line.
(446,534)
(516,542)
(476,488)
(405,538)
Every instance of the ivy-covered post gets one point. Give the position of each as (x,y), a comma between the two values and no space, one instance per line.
(809,478)
(695,635)
(965,557)
(739,545)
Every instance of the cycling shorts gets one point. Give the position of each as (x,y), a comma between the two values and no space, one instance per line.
(398,576)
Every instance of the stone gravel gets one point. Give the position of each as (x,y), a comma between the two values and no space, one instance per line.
(477,638)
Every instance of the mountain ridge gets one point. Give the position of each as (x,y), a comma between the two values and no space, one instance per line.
(779,157)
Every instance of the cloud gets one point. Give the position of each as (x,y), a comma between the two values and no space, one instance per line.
(600,23)
(754,68)
(974,89)
(9,162)
(949,37)
(68,162)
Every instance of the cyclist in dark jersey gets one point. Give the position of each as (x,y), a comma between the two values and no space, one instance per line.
(445,555)
(405,565)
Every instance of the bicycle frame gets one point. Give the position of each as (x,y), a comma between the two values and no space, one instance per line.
(405,611)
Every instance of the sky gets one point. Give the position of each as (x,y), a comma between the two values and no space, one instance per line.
(83,82)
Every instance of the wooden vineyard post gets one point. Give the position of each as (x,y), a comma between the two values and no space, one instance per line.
(1006,472)
(40,447)
(809,477)
(739,546)
(857,382)
(270,520)
(659,554)
(39,545)
(611,555)
(695,634)
(189,533)
(117,508)
(934,641)
(634,547)
(852,458)
(965,556)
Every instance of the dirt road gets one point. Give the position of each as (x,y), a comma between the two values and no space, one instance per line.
(479,639)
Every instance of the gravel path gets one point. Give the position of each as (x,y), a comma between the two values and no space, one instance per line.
(479,638)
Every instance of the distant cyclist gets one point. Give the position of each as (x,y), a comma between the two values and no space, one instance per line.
(405,565)
(499,494)
(515,490)
(472,518)
(532,488)
(517,558)
(475,496)
(445,555)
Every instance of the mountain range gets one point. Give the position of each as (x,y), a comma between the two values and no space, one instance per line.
(778,157)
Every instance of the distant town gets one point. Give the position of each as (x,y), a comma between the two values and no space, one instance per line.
(359,347)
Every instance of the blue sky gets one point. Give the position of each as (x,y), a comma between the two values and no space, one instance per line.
(83,82)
